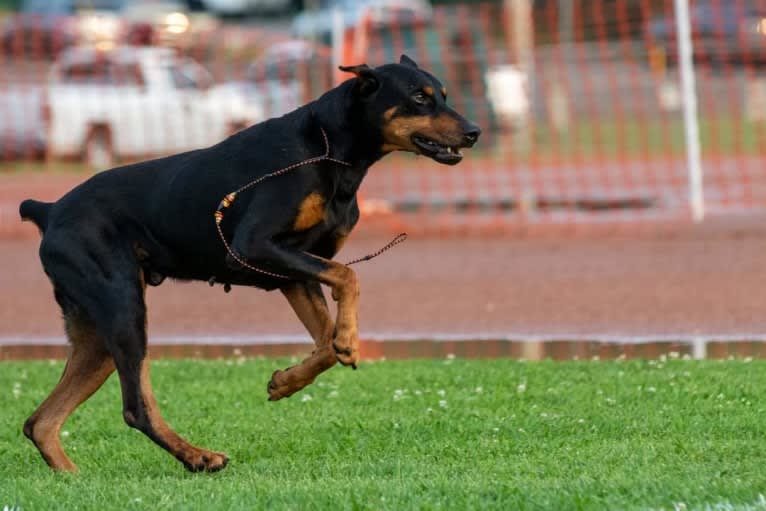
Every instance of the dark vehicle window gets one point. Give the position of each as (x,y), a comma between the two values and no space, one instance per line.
(128,74)
(189,76)
(103,5)
(47,7)
(103,72)
(90,73)
(64,7)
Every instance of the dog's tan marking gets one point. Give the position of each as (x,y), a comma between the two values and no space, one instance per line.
(447,126)
(444,92)
(87,368)
(310,212)
(398,131)
(428,90)
(200,459)
(309,304)
(288,382)
(345,290)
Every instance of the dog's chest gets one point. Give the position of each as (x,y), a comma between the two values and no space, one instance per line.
(319,223)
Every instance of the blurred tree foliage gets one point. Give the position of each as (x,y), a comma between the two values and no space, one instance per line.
(8,5)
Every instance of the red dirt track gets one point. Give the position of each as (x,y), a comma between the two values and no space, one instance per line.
(668,282)
(707,281)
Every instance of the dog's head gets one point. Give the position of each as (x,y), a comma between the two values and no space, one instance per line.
(409,106)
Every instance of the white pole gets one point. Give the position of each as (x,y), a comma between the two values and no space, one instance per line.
(691,120)
(337,44)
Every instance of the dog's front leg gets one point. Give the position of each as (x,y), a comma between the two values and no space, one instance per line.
(301,266)
(308,302)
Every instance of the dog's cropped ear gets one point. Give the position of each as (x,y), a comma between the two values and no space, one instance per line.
(405,60)
(367,82)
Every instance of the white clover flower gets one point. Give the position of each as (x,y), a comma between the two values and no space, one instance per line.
(450,356)
(479,389)
(441,392)
(306,397)
(443,403)
(521,387)
(333,393)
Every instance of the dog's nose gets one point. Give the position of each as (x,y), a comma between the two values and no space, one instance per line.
(471,135)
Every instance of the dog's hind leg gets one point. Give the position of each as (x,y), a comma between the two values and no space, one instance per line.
(127,344)
(87,368)
(310,306)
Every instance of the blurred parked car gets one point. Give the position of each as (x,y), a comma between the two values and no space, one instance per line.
(166,23)
(722,30)
(134,102)
(244,7)
(318,24)
(290,73)
(45,27)
(22,133)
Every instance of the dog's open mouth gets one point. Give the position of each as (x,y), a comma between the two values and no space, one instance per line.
(441,153)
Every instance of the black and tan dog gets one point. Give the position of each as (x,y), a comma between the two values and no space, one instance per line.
(108,238)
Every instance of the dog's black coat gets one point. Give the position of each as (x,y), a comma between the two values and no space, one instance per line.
(140,223)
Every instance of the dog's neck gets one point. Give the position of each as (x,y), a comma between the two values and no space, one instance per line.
(350,136)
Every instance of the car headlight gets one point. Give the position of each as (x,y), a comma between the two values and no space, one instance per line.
(176,22)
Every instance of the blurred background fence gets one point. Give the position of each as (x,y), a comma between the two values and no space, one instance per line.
(581,102)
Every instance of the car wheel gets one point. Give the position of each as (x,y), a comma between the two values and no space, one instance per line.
(97,151)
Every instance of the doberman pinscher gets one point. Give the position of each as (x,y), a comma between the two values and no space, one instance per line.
(200,216)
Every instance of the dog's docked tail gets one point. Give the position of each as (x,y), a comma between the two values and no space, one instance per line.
(35,211)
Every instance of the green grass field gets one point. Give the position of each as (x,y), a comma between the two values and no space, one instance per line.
(439,434)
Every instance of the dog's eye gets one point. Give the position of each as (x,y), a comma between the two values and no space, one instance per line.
(421,99)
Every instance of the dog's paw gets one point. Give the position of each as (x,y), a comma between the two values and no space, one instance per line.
(200,460)
(346,348)
(279,386)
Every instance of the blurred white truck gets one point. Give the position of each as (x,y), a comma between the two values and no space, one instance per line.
(138,102)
